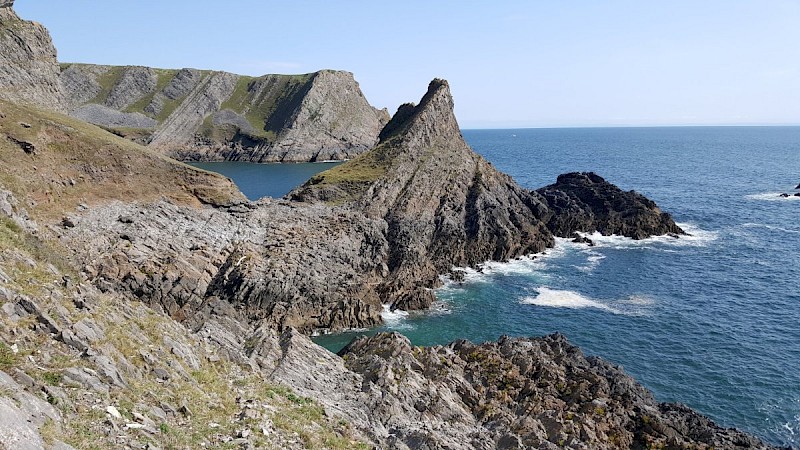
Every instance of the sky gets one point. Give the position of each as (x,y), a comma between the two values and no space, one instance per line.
(509,63)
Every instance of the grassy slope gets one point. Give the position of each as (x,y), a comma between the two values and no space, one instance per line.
(36,270)
(78,163)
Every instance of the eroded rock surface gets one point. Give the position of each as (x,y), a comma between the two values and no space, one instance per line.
(199,115)
(29,71)
(513,394)
(587,202)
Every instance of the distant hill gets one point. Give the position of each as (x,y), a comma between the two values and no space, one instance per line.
(192,114)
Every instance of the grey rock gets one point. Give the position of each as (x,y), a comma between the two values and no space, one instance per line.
(179,87)
(78,377)
(135,83)
(21,416)
(29,70)
(69,338)
(179,129)
(88,330)
(80,83)
(108,371)
(109,117)
(312,117)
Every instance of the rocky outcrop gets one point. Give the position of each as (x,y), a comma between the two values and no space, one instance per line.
(444,205)
(212,116)
(315,268)
(586,202)
(510,394)
(29,71)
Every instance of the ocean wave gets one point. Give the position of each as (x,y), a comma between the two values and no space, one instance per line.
(772,197)
(553,298)
(770,227)
(634,305)
(695,237)
(524,265)
(396,319)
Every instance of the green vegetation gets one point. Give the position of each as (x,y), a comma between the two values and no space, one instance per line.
(107,81)
(8,358)
(164,77)
(52,378)
(266,100)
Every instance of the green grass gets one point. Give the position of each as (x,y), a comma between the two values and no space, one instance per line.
(107,81)
(259,108)
(52,378)
(8,358)
(164,77)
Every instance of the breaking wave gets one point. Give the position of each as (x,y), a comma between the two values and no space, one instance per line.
(772,197)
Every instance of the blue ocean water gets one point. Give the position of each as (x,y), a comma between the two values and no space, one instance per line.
(712,321)
(265,180)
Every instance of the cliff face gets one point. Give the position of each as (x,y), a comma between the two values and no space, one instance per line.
(210,116)
(444,204)
(121,227)
(28,65)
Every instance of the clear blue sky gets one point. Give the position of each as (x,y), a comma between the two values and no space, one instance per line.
(510,64)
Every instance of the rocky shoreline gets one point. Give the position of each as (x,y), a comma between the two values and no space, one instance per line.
(145,304)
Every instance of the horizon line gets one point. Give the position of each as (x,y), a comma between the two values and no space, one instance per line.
(553,127)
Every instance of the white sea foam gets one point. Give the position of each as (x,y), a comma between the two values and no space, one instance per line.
(553,298)
(773,197)
(395,319)
(634,305)
(695,237)
(524,265)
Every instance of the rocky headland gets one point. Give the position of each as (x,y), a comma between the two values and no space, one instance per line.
(201,115)
(146,304)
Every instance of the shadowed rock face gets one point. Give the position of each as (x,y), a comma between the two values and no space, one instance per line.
(444,204)
(587,202)
(28,65)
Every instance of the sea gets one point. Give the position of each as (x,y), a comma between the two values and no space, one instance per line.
(711,320)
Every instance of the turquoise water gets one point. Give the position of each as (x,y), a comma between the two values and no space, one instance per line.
(712,321)
(265,180)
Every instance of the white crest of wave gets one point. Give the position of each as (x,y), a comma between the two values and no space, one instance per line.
(772,197)
(553,298)
(695,237)
(395,319)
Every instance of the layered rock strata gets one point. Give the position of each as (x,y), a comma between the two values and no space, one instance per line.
(199,115)
(29,71)
(446,206)
(520,393)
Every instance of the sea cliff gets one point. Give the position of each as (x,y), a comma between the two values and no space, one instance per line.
(147,304)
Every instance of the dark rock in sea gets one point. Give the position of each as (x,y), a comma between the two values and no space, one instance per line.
(586,202)
(797,194)
(579,239)
(798,186)
(784,195)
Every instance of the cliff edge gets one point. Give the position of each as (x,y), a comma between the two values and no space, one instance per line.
(29,71)
(446,206)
